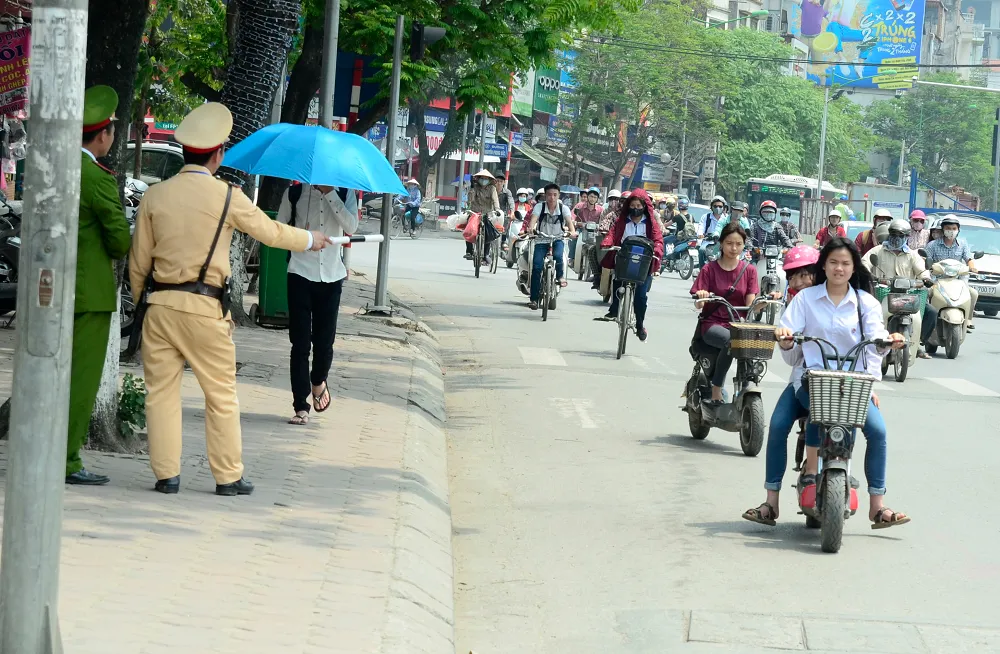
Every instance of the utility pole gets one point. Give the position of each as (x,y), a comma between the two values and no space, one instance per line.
(482,143)
(684,127)
(32,526)
(382,279)
(996,159)
(461,165)
(902,156)
(822,142)
(328,76)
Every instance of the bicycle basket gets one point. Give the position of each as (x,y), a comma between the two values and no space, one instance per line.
(634,260)
(839,397)
(903,303)
(751,340)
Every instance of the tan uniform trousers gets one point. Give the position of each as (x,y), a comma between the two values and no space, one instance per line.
(169,338)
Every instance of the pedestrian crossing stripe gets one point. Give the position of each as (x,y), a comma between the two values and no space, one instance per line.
(963,386)
(541,356)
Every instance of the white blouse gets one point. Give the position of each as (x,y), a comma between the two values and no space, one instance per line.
(813,313)
(327,214)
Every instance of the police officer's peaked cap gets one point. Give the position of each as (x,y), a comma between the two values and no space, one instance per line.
(99,105)
(205,129)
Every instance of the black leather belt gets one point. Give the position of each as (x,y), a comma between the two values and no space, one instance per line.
(214,292)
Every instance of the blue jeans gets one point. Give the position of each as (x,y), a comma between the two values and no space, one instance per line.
(541,249)
(409,217)
(794,405)
(639,301)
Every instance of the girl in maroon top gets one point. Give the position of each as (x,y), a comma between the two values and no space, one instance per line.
(733,279)
(833,231)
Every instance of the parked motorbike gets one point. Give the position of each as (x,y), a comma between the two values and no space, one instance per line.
(950,296)
(838,405)
(10,253)
(902,310)
(752,345)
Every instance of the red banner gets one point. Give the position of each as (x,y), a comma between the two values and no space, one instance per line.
(15,47)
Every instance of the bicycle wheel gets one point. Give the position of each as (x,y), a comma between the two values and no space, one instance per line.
(395,227)
(417,231)
(495,257)
(624,316)
(477,256)
(546,289)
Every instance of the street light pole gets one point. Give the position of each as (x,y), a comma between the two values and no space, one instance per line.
(328,76)
(902,156)
(461,164)
(36,469)
(482,143)
(382,276)
(684,126)
(822,141)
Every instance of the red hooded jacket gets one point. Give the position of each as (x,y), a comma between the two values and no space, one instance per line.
(617,233)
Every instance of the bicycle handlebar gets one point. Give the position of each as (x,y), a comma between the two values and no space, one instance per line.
(851,355)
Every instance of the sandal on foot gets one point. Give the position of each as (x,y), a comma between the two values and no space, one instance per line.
(563,283)
(300,418)
(319,399)
(881,522)
(757,515)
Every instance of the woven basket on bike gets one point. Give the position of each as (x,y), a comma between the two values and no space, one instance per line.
(751,340)
(839,397)
(634,260)
(882,291)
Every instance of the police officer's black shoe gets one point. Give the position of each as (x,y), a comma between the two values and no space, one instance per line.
(168,486)
(86,478)
(241,487)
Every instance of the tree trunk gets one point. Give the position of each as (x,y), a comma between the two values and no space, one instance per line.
(449,141)
(114,34)
(263,38)
(303,84)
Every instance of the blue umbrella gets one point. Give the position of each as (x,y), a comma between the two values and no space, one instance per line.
(569,188)
(315,155)
(454,182)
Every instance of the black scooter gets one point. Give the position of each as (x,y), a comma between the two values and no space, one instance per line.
(10,254)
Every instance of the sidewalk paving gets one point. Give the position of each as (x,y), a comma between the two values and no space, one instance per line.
(345,546)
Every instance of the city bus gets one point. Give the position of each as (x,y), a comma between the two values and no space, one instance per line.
(787,191)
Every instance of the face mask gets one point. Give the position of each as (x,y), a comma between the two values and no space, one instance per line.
(484,182)
(662,207)
(717,211)
(917,226)
(767,216)
(522,198)
(950,233)
(767,226)
(635,212)
(895,243)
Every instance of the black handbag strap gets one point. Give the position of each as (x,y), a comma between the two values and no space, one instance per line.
(746,264)
(215,241)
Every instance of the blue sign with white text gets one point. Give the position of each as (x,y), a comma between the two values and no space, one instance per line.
(497,150)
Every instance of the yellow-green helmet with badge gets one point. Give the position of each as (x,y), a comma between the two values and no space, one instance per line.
(99,105)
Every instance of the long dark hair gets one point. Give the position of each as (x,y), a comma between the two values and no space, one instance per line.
(861,279)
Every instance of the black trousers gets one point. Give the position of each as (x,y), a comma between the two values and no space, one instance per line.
(312,322)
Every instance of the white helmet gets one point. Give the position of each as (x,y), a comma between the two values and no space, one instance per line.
(522,191)
(882,213)
(614,193)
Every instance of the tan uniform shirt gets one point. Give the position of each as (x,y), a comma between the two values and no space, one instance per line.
(895,264)
(174,229)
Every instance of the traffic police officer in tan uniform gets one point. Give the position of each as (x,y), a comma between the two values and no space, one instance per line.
(177,223)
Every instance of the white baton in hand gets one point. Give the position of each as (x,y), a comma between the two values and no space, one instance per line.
(360,238)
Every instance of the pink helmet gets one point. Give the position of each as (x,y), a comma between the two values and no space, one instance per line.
(799,257)
(918,214)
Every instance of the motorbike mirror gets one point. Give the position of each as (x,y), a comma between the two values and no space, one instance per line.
(978,255)
(874,260)
(922,252)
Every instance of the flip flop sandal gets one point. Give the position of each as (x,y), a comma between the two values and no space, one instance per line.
(299,420)
(882,523)
(756,515)
(563,283)
(318,399)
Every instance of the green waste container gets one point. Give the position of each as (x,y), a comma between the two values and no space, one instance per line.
(272,282)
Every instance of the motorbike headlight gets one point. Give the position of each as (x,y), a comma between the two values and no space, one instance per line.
(14,240)
(771,251)
(837,434)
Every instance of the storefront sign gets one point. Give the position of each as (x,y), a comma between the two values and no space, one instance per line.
(15,48)
(547,90)
(523,93)
(435,120)
(497,150)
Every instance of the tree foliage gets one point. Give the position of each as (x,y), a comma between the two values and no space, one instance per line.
(947,132)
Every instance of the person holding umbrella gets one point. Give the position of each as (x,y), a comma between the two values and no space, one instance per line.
(315,282)
(180,254)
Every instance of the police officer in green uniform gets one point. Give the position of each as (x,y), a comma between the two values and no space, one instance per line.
(103,238)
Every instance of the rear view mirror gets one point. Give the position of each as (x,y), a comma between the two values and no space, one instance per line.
(978,255)
(874,259)
(923,253)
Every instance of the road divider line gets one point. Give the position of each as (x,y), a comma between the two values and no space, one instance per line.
(642,364)
(541,356)
(582,406)
(963,386)
(882,387)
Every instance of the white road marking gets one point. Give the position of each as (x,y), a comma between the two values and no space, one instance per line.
(772,377)
(541,356)
(963,386)
(882,387)
(660,363)
(642,364)
(581,407)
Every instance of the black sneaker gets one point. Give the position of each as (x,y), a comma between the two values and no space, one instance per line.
(85,477)
(641,333)
(241,487)
(608,317)
(468,256)
(533,305)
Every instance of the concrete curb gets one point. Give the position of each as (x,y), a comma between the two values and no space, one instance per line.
(420,612)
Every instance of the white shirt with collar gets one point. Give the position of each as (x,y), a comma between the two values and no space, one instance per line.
(633,228)
(326,214)
(813,313)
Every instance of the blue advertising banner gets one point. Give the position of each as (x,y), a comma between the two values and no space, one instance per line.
(496,150)
(378,132)
(435,120)
(855,42)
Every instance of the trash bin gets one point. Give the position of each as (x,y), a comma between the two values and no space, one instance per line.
(272,311)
